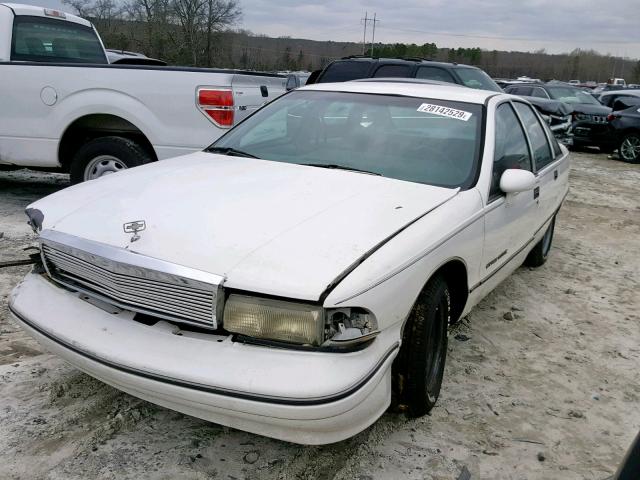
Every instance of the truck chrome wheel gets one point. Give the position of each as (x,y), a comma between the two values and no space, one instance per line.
(103,165)
(630,148)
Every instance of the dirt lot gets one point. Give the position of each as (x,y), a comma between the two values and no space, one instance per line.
(542,379)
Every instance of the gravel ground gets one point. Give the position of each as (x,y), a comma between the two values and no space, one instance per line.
(542,378)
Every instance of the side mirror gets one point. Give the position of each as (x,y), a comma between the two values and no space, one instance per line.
(515,180)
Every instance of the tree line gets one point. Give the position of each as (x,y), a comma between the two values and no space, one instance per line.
(204,33)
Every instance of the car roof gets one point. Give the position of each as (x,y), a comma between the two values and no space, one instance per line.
(424,61)
(32,10)
(627,91)
(453,92)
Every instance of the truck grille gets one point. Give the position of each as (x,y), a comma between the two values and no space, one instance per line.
(132,287)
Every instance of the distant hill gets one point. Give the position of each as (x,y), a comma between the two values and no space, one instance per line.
(242,49)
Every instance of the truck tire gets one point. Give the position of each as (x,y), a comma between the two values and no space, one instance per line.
(538,256)
(629,149)
(106,155)
(420,363)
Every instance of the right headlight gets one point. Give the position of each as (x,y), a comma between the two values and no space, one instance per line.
(299,323)
(274,319)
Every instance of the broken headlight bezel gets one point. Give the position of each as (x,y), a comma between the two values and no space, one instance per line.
(297,323)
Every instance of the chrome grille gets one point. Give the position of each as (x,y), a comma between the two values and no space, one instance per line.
(132,287)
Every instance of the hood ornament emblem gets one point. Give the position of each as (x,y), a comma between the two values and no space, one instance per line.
(134,227)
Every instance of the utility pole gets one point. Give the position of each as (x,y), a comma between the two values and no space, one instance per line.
(373,37)
(364,37)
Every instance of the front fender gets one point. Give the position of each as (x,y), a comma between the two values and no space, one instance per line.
(389,281)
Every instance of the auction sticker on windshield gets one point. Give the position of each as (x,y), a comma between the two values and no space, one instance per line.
(444,111)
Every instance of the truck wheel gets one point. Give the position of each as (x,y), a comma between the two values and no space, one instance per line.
(106,155)
(424,349)
(538,256)
(629,149)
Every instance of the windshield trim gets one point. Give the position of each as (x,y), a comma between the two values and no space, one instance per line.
(474,175)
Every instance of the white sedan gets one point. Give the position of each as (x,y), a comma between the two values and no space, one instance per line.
(301,272)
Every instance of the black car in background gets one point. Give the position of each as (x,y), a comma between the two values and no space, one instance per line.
(589,118)
(356,68)
(624,128)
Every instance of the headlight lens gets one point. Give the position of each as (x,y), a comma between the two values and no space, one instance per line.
(274,319)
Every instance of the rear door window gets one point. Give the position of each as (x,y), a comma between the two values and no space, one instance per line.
(401,71)
(38,39)
(345,71)
(541,150)
(434,73)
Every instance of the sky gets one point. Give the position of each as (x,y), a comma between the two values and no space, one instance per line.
(554,25)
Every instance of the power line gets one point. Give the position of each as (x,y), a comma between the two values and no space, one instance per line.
(373,38)
(366,20)
(364,36)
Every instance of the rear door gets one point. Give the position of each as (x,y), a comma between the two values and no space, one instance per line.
(545,158)
(252,92)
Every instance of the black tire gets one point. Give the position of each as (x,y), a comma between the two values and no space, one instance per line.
(538,256)
(629,149)
(119,152)
(420,364)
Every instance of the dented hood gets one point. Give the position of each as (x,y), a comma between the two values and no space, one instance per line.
(268,227)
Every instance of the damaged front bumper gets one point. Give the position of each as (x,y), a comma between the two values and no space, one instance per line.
(306,397)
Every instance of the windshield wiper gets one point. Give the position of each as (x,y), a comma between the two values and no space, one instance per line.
(230,151)
(335,166)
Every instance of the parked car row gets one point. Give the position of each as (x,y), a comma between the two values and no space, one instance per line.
(607,120)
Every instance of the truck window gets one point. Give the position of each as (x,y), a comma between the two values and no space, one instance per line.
(401,71)
(37,39)
(345,71)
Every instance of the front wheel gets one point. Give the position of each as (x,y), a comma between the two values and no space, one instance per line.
(420,363)
(538,256)
(630,148)
(105,155)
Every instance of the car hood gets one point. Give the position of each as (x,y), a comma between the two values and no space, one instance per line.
(589,109)
(269,227)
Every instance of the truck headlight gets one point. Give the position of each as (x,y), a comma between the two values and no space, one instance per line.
(274,320)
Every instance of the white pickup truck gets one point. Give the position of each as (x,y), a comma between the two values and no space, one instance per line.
(63,106)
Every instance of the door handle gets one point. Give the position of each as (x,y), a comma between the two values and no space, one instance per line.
(555,174)
(536,192)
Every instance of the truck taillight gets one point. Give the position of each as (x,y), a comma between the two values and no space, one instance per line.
(217,105)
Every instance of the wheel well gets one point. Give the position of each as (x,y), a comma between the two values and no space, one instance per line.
(455,274)
(89,127)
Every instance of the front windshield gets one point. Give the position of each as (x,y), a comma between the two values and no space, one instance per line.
(475,78)
(414,139)
(571,95)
